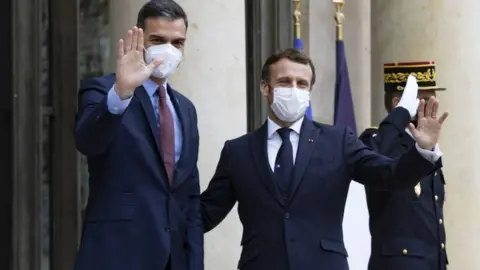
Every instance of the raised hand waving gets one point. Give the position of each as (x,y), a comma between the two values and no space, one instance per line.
(427,131)
(131,69)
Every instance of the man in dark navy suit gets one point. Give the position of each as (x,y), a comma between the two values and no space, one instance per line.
(291,176)
(141,139)
(406,225)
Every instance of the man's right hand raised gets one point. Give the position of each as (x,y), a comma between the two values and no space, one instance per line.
(131,70)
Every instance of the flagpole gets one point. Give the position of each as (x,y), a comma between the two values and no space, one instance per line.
(339,17)
(344,114)
(297,41)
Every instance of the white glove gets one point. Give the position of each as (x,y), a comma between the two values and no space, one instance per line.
(409,98)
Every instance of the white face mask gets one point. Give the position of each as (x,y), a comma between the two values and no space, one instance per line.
(290,104)
(170,56)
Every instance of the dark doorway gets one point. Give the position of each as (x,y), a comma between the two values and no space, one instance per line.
(267,30)
(44,215)
(6,125)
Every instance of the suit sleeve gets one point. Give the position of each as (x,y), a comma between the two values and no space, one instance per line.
(219,197)
(380,172)
(95,125)
(388,133)
(194,216)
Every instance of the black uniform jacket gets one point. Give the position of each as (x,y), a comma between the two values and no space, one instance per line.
(406,225)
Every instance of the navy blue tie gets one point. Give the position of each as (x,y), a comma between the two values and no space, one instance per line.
(284,162)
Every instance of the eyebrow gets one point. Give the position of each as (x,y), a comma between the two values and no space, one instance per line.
(290,78)
(154,36)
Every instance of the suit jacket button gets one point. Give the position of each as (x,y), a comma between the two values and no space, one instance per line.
(167,229)
(405,252)
(287,215)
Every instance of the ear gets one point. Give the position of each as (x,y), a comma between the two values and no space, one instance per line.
(264,88)
(395,101)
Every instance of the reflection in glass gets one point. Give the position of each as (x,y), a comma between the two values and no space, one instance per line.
(94,57)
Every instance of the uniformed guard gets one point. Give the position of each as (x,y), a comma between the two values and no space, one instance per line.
(407,226)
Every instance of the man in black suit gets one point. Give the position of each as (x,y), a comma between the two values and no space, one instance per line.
(291,176)
(406,225)
(141,139)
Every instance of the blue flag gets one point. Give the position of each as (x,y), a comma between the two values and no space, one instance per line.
(298,44)
(344,112)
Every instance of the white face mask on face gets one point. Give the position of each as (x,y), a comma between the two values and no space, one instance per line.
(171,58)
(290,104)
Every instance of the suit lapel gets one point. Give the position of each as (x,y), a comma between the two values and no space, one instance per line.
(309,136)
(142,95)
(258,147)
(181,109)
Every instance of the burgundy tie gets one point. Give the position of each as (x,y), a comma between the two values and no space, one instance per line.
(167,137)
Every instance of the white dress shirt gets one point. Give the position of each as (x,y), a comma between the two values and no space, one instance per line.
(274,142)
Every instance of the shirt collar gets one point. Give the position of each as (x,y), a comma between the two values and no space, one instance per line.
(151,87)
(273,127)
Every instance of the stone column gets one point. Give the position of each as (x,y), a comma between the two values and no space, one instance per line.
(321,47)
(213,76)
(123,16)
(402,31)
(321,38)
(444,31)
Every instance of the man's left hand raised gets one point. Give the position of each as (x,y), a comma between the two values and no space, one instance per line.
(427,131)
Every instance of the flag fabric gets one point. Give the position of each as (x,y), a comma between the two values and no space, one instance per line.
(356,234)
(344,111)
(298,44)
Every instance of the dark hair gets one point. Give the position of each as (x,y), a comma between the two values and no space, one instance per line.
(167,9)
(291,54)
(388,100)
